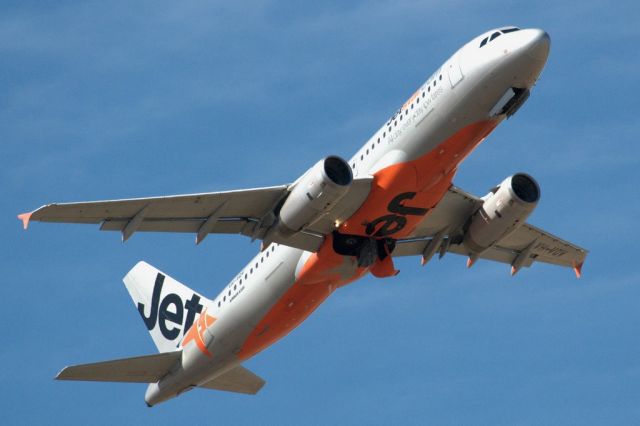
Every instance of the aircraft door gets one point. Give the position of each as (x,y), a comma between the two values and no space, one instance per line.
(455,73)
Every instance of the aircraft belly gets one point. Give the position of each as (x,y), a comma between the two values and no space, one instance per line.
(315,279)
(422,182)
(403,193)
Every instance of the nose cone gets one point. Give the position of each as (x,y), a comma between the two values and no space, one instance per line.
(536,44)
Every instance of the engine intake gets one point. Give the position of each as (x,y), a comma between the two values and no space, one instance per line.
(315,193)
(503,211)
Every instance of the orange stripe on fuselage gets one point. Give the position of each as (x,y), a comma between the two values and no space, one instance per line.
(318,278)
(428,176)
(197,330)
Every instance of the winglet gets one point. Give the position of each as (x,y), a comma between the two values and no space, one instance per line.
(577,268)
(25,217)
(471,260)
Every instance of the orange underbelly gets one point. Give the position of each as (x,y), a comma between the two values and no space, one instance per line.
(400,197)
(321,274)
(402,194)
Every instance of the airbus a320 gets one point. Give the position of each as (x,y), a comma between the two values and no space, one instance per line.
(333,225)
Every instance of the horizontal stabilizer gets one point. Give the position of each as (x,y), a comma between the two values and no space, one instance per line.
(139,369)
(238,380)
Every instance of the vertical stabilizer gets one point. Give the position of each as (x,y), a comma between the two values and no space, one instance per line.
(167,307)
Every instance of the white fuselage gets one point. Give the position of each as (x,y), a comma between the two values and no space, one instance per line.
(463,91)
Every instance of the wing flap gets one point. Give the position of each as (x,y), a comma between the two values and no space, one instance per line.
(238,379)
(186,225)
(140,369)
(547,247)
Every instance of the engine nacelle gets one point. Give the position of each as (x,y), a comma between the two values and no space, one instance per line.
(503,212)
(316,192)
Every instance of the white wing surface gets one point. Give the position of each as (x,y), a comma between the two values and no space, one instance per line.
(521,248)
(229,211)
(250,212)
(245,212)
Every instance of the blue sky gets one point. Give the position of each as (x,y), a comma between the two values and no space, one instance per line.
(104,100)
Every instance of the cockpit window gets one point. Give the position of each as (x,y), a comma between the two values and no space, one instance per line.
(497,34)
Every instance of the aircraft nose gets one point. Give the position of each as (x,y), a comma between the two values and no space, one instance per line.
(537,44)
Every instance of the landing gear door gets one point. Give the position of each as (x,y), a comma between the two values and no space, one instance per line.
(455,73)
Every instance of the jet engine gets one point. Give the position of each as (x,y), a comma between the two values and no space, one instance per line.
(504,210)
(315,193)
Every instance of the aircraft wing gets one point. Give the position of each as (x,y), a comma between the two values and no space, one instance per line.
(521,248)
(230,212)
(248,212)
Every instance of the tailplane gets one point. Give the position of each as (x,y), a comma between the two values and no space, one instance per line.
(238,379)
(139,369)
(152,368)
(167,307)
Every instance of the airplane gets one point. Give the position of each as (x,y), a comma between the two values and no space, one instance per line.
(335,224)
